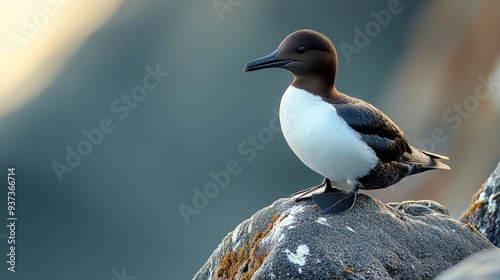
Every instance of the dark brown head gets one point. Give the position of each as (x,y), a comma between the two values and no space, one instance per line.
(309,55)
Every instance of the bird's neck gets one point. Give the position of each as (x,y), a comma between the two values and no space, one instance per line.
(316,85)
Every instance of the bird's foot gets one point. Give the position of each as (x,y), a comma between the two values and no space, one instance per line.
(325,187)
(335,202)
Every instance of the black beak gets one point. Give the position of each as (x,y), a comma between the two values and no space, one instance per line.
(267,61)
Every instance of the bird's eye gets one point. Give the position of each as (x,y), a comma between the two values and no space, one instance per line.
(301,50)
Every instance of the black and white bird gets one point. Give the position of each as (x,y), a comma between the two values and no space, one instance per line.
(344,139)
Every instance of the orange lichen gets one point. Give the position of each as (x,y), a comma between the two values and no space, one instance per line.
(473,228)
(475,204)
(348,270)
(244,261)
(229,263)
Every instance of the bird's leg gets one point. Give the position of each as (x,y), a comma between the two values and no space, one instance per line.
(328,185)
(307,193)
(336,202)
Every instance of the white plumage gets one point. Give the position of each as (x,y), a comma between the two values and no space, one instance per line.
(322,139)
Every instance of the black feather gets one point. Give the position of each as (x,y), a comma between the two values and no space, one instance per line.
(378,131)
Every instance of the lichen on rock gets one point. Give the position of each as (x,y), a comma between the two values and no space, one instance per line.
(484,211)
(241,262)
(293,240)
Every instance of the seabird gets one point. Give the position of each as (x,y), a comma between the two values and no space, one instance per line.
(344,139)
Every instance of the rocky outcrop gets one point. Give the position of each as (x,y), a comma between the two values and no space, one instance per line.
(293,240)
(483,265)
(484,211)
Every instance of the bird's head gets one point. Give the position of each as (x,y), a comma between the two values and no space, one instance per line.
(305,53)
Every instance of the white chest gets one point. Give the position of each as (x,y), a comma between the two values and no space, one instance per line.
(321,139)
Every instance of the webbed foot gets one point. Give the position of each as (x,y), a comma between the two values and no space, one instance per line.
(336,202)
(325,187)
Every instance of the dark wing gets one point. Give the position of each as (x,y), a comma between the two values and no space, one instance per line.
(378,131)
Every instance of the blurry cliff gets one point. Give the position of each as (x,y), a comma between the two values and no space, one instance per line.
(445,92)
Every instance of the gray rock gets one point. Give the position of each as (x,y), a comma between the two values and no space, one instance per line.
(293,240)
(483,265)
(484,211)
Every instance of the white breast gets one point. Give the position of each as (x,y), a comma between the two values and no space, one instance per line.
(322,139)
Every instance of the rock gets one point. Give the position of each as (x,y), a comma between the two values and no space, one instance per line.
(484,211)
(483,265)
(293,240)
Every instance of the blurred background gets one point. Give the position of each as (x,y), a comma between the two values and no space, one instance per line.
(138,141)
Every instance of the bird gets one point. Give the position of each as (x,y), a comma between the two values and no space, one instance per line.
(346,140)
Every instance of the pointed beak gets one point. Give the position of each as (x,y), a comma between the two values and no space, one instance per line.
(268,61)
